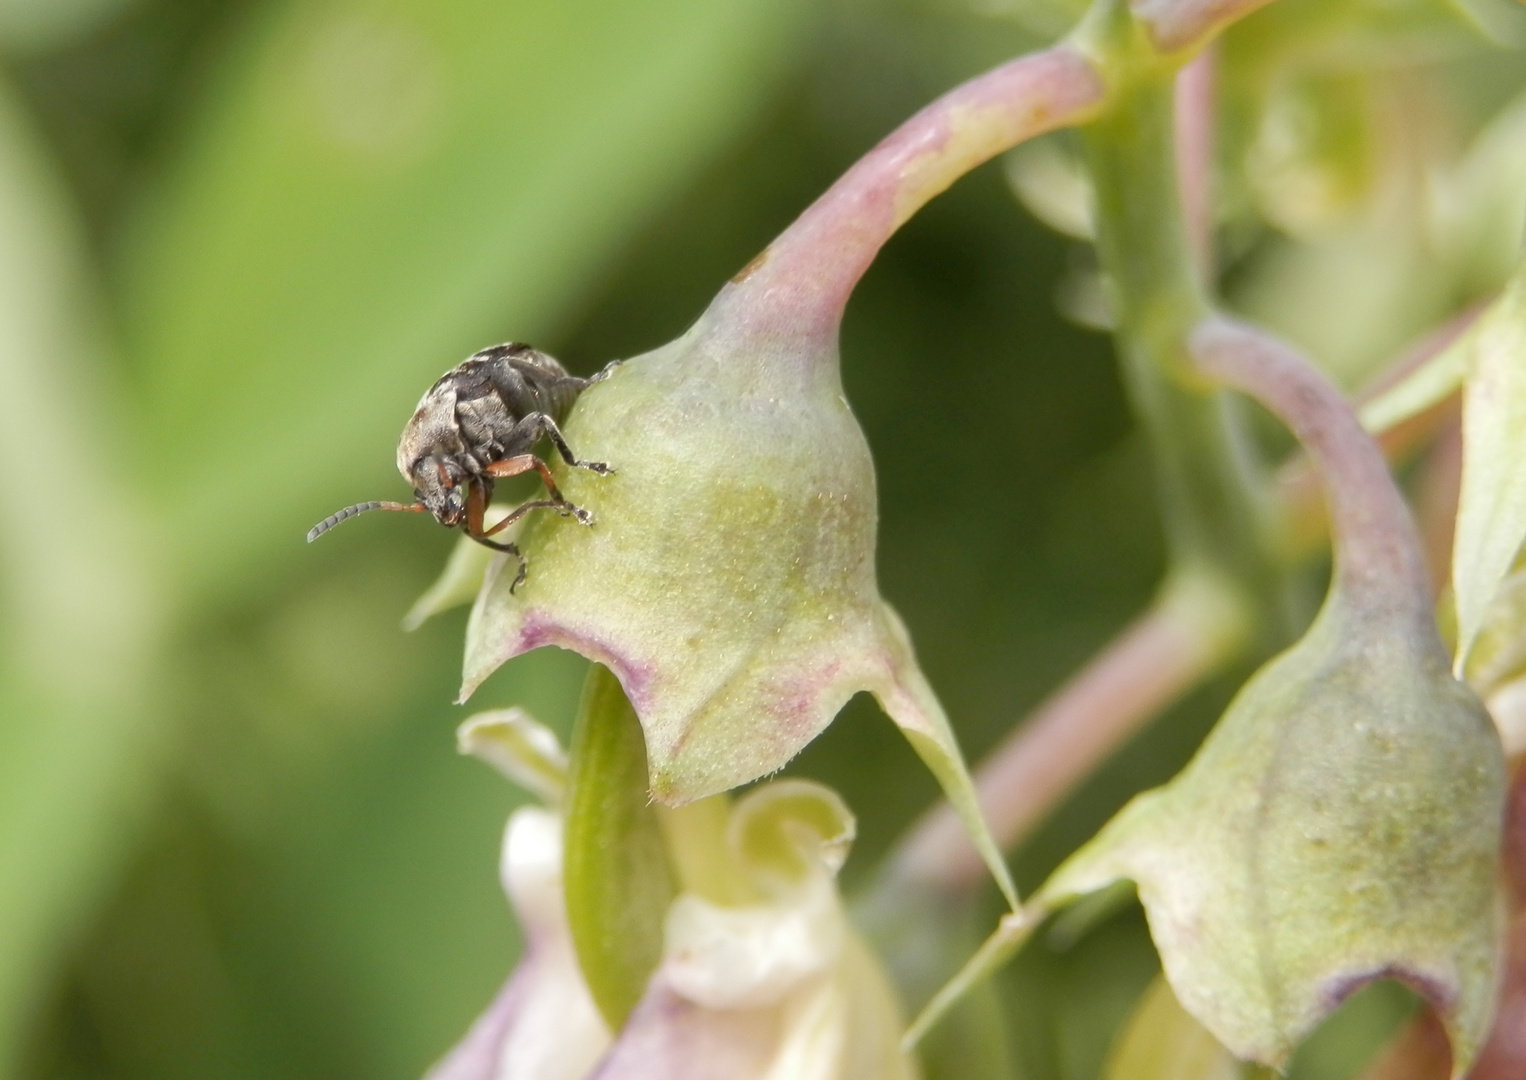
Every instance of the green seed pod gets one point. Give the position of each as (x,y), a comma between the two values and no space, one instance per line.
(1342,822)
(729,578)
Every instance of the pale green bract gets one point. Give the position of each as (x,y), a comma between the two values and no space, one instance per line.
(1341,824)
(1491,516)
(728,580)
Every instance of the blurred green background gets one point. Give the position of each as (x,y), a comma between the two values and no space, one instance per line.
(238,238)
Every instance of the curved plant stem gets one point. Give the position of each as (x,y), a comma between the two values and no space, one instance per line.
(1377,550)
(1177,24)
(800,283)
(1194,115)
(1307,524)
(1150,156)
(1185,635)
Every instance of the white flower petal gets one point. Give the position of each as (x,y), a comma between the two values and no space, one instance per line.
(543,1025)
(747,957)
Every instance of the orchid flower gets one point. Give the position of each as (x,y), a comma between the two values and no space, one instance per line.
(761,978)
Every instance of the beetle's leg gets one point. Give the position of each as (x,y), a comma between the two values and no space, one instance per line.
(508,549)
(524,508)
(520,464)
(603,373)
(477,495)
(523,463)
(476,503)
(537,424)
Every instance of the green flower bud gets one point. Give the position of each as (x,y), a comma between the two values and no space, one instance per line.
(1342,822)
(729,579)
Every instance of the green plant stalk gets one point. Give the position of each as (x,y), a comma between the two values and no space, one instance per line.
(615,866)
(1214,514)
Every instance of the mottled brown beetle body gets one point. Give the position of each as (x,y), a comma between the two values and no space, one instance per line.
(478,423)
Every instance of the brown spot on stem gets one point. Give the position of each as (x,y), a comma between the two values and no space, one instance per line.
(747,271)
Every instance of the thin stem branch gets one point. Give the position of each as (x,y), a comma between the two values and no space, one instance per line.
(801,282)
(1209,492)
(1298,486)
(1178,24)
(1158,657)
(1156,258)
(1377,550)
(1194,108)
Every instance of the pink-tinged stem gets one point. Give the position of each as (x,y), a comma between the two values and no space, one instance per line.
(1157,658)
(1194,115)
(1377,551)
(1297,484)
(1177,24)
(801,283)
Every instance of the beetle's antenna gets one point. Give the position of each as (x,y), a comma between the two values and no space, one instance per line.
(359,508)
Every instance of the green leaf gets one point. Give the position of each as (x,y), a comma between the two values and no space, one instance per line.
(1498,655)
(371,191)
(80,607)
(1428,385)
(1164,1042)
(40,25)
(615,869)
(1491,514)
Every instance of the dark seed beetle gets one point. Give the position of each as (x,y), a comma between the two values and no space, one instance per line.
(479,423)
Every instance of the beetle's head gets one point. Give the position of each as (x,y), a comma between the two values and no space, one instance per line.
(440,486)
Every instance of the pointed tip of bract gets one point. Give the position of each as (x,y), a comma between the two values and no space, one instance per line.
(908,699)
